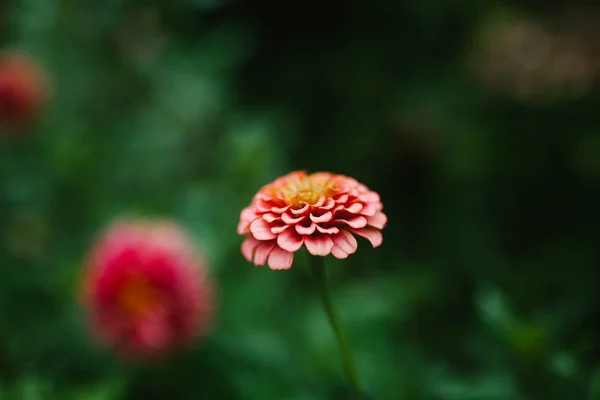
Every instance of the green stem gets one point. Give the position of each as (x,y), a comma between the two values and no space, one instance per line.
(316,266)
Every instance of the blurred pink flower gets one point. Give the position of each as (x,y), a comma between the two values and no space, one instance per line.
(145,289)
(322,211)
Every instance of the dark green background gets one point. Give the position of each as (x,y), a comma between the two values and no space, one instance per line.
(485,287)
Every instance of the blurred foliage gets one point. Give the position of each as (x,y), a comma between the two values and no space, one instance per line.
(486,154)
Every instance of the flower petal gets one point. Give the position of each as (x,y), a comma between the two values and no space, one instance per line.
(342,199)
(278,229)
(370,197)
(261,230)
(345,241)
(356,222)
(288,219)
(150,334)
(248,247)
(318,245)
(378,220)
(338,253)
(262,196)
(354,208)
(279,210)
(329,204)
(323,218)
(373,235)
(280,259)
(270,217)
(369,210)
(290,241)
(247,215)
(263,205)
(243,227)
(262,252)
(330,231)
(306,230)
(302,210)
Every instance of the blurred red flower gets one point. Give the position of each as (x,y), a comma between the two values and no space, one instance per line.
(23,90)
(145,289)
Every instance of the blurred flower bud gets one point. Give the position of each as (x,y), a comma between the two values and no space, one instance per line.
(23,91)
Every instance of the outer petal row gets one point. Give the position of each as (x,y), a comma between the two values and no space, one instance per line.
(259,252)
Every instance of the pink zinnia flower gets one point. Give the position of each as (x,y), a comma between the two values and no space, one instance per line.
(145,289)
(322,211)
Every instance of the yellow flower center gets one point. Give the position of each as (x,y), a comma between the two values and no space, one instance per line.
(138,297)
(307,189)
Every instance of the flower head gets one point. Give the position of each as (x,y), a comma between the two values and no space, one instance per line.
(322,211)
(22,90)
(145,289)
